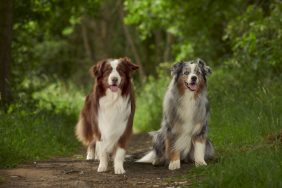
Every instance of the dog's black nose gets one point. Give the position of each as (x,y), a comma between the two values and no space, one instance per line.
(194,78)
(114,79)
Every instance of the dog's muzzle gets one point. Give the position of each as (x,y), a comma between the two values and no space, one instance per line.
(192,86)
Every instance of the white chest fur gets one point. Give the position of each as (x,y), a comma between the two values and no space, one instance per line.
(186,111)
(113,114)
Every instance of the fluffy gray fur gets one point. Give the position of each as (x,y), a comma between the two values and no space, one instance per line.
(185,117)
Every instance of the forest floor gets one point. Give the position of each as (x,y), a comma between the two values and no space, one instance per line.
(76,172)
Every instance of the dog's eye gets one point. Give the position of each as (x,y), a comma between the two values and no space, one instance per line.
(186,73)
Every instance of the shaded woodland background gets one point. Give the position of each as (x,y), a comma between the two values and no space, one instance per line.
(59,40)
(48,46)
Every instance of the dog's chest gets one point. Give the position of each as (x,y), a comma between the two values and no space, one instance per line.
(186,111)
(187,126)
(113,114)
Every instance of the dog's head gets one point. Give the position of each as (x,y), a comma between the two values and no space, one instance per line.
(113,74)
(191,75)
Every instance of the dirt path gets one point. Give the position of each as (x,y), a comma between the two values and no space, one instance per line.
(77,172)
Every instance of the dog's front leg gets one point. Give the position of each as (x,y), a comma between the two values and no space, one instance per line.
(173,156)
(118,161)
(103,157)
(103,165)
(199,152)
(174,161)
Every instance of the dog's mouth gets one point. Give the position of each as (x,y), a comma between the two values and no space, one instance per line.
(191,86)
(114,88)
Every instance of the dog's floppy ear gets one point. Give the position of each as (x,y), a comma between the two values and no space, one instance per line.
(176,68)
(129,64)
(206,69)
(96,70)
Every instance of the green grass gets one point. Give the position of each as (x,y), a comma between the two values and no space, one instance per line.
(245,120)
(260,167)
(41,130)
(35,135)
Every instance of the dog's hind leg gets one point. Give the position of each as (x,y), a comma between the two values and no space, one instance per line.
(91,150)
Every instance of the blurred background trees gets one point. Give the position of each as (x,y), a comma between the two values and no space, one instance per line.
(53,44)
(61,39)
(6,24)
(48,46)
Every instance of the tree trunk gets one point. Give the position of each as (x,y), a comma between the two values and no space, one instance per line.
(132,45)
(159,47)
(169,41)
(86,40)
(6,14)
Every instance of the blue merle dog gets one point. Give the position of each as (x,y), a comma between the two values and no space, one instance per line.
(183,133)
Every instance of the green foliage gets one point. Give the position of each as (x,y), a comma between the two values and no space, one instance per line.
(150,15)
(47,40)
(149,99)
(32,134)
(197,23)
(256,39)
(60,97)
(42,129)
(243,109)
(257,167)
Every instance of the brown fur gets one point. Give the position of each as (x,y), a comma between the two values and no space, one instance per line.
(128,130)
(200,87)
(181,85)
(171,154)
(87,130)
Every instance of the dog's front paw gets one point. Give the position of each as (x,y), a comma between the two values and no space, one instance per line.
(90,156)
(200,163)
(173,165)
(102,168)
(119,170)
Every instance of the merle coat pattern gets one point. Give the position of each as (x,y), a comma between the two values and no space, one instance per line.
(183,132)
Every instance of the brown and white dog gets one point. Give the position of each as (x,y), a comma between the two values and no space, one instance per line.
(105,122)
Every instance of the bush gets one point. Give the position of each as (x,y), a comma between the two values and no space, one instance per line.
(32,134)
(256,38)
(41,127)
(149,101)
(60,97)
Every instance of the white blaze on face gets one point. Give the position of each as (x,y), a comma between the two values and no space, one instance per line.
(114,74)
(192,84)
(192,73)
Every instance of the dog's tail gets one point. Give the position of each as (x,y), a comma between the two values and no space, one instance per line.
(209,153)
(150,157)
(83,131)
